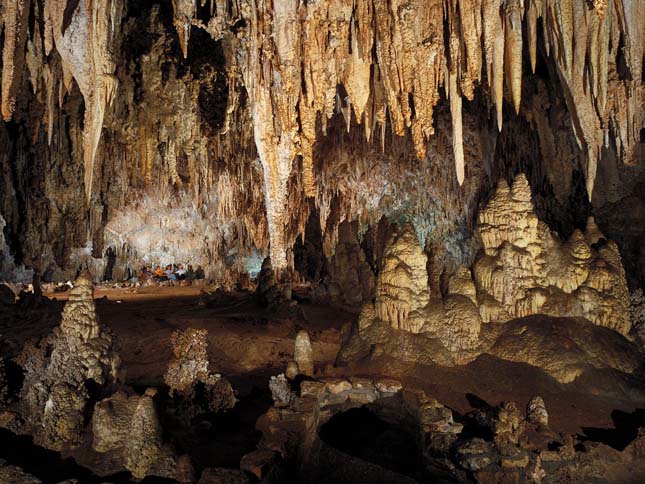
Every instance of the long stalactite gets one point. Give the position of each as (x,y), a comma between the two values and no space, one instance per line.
(380,63)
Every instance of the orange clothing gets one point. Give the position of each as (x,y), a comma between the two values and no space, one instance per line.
(159,271)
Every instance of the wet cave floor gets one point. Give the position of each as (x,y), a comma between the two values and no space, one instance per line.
(248,344)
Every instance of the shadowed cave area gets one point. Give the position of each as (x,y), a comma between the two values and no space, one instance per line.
(322,241)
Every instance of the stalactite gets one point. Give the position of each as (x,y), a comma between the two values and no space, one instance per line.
(457,133)
(184,13)
(513,50)
(381,63)
(15,14)
(86,46)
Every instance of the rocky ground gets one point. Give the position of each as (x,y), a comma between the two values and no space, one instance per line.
(248,344)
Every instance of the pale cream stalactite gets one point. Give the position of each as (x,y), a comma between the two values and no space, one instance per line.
(471,31)
(87,47)
(184,11)
(494,49)
(534,7)
(513,50)
(15,15)
(457,129)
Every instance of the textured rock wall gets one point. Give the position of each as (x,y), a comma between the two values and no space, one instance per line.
(237,112)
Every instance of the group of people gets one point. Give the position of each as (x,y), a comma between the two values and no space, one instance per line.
(172,272)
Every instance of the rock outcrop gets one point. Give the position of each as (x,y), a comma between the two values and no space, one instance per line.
(536,412)
(402,285)
(404,304)
(126,428)
(525,269)
(303,353)
(66,370)
(189,376)
(348,268)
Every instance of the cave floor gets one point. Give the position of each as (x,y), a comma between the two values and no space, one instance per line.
(248,343)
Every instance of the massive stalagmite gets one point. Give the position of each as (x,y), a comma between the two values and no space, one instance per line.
(525,269)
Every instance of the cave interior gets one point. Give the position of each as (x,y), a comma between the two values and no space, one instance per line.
(322,241)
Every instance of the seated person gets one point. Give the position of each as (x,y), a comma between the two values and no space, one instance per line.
(144,274)
(180,273)
(170,275)
(199,273)
(159,274)
(190,273)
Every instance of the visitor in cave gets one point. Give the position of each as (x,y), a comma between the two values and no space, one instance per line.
(190,273)
(170,275)
(145,274)
(159,274)
(199,273)
(180,272)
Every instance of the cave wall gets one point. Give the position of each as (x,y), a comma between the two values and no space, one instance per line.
(216,146)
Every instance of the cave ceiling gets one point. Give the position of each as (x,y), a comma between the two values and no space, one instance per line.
(256,115)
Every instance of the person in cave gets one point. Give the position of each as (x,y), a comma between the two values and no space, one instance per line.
(170,275)
(180,272)
(159,274)
(190,273)
(199,273)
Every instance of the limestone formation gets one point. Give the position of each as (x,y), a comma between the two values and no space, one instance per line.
(281,391)
(189,377)
(303,353)
(127,427)
(637,314)
(349,269)
(525,269)
(292,370)
(190,359)
(61,369)
(267,291)
(310,69)
(11,474)
(402,285)
(403,302)
(536,412)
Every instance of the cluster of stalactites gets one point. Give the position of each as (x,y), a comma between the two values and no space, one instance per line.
(86,37)
(392,57)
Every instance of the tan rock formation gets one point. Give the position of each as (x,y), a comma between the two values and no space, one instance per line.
(189,369)
(525,269)
(87,40)
(59,369)
(349,269)
(303,353)
(536,412)
(411,44)
(402,285)
(128,427)
(190,359)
